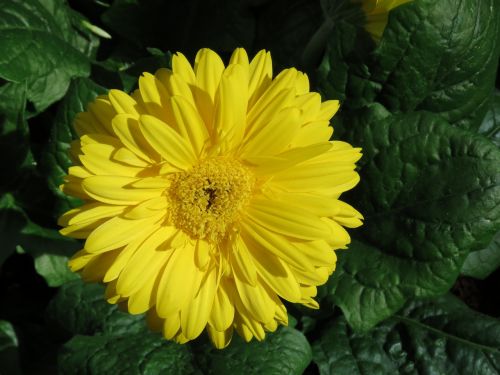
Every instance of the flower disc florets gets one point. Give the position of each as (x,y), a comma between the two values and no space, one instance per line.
(208,198)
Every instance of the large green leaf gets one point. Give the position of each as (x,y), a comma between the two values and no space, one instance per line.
(430,193)
(80,308)
(109,341)
(9,360)
(74,26)
(55,160)
(39,49)
(284,352)
(480,264)
(132,353)
(439,336)
(439,56)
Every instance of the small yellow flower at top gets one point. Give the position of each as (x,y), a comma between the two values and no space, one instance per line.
(377,13)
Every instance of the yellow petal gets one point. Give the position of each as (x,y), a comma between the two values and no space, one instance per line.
(231,107)
(80,260)
(261,72)
(262,113)
(273,137)
(348,216)
(195,313)
(202,254)
(275,244)
(310,104)
(146,209)
(189,123)
(182,67)
(284,81)
(88,213)
(338,237)
(126,156)
(318,252)
(273,271)
(128,130)
(103,112)
(287,159)
(152,90)
(220,339)
(82,229)
(167,142)
(172,325)
(222,314)
(100,139)
(145,297)
(118,190)
(146,263)
(126,253)
(249,328)
(312,133)
(328,109)
(178,281)
(286,219)
(208,68)
(123,103)
(96,268)
(302,83)
(255,299)
(239,56)
(242,262)
(318,277)
(98,159)
(115,233)
(312,203)
(79,172)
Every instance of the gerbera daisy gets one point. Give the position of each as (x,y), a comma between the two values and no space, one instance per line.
(211,195)
(372,15)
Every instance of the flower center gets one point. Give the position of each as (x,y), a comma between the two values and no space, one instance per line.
(207,199)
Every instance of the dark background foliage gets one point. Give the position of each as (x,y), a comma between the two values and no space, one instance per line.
(416,291)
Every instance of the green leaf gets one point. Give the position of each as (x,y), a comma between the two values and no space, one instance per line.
(490,127)
(55,160)
(46,245)
(121,340)
(440,336)
(54,269)
(9,359)
(438,56)
(80,308)
(14,136)
(38,50)
(134,353)
(284,352)
(480,264)
(74,27)
(430,194)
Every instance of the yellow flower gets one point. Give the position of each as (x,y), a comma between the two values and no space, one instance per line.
(377,13)
(211,195)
